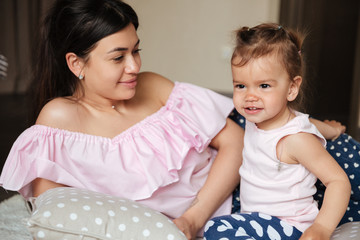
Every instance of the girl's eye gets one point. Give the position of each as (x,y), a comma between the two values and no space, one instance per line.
(240,86)
(264,85)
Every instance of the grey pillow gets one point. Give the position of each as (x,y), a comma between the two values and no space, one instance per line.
(347,231)
(70,213)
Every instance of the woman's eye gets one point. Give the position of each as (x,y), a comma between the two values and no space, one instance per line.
(264,85)
(119,58)
(136,51)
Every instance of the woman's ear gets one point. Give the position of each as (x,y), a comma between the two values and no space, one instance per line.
(294,88)
(75,64)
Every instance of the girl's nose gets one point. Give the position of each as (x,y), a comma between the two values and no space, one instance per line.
(251,97)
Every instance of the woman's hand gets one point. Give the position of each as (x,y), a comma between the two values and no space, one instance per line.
(337,127)
(316,232)
(329,129)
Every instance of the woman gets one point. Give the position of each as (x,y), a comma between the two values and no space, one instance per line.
(103,126)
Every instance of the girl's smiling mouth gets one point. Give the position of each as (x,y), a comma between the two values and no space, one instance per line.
(252,110)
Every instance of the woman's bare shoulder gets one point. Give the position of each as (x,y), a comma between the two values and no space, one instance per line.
(59,113)
(155,85)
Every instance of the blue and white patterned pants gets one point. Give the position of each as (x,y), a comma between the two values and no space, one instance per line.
(249,227)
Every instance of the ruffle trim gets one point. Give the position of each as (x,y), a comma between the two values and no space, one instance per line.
(134,164)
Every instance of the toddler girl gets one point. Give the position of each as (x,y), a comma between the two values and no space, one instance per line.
(284,153)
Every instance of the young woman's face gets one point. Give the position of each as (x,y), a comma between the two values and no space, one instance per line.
(261,89)
(113,66)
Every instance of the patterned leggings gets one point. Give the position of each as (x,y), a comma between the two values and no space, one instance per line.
(248,227)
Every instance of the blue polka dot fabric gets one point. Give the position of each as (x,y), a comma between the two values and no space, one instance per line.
(346,151)
(238,118)
(249,226)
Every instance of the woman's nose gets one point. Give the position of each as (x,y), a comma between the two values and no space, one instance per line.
(133,65)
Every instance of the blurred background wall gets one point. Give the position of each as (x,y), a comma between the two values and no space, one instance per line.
(185,40)
(192,40)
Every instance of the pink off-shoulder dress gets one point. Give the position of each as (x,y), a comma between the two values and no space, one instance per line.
(162,161)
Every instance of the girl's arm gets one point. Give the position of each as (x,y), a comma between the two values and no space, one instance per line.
(329,129)
(222,180)
(308,151)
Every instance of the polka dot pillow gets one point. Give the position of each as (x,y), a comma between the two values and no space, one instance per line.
(347,231)
(69,213)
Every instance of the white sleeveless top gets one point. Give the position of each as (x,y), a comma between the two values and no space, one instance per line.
(273,187)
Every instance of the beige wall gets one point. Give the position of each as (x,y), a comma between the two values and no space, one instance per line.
(191,40)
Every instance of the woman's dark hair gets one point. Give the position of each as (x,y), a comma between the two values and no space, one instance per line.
(71,26)
(269,38)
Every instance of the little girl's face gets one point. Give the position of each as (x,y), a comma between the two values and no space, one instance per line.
(261,91)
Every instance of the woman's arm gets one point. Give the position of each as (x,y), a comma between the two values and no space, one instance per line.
(329,129)
(222,180)
(40,185)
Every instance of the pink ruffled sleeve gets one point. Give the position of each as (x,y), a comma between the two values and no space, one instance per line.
(29,159)
(199,109)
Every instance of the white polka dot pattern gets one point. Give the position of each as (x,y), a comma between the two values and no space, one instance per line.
(347,231)
(68,213)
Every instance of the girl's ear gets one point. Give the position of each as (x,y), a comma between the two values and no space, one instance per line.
(294,88)
(75,64)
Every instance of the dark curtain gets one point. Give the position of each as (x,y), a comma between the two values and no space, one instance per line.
(331,56)
(19,20)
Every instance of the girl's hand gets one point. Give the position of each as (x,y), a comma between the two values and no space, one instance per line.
(337,127)
(186,227)
(316,232)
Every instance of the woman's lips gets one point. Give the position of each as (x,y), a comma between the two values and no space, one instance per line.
(130,84)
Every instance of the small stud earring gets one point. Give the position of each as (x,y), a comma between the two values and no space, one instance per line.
(81,77)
